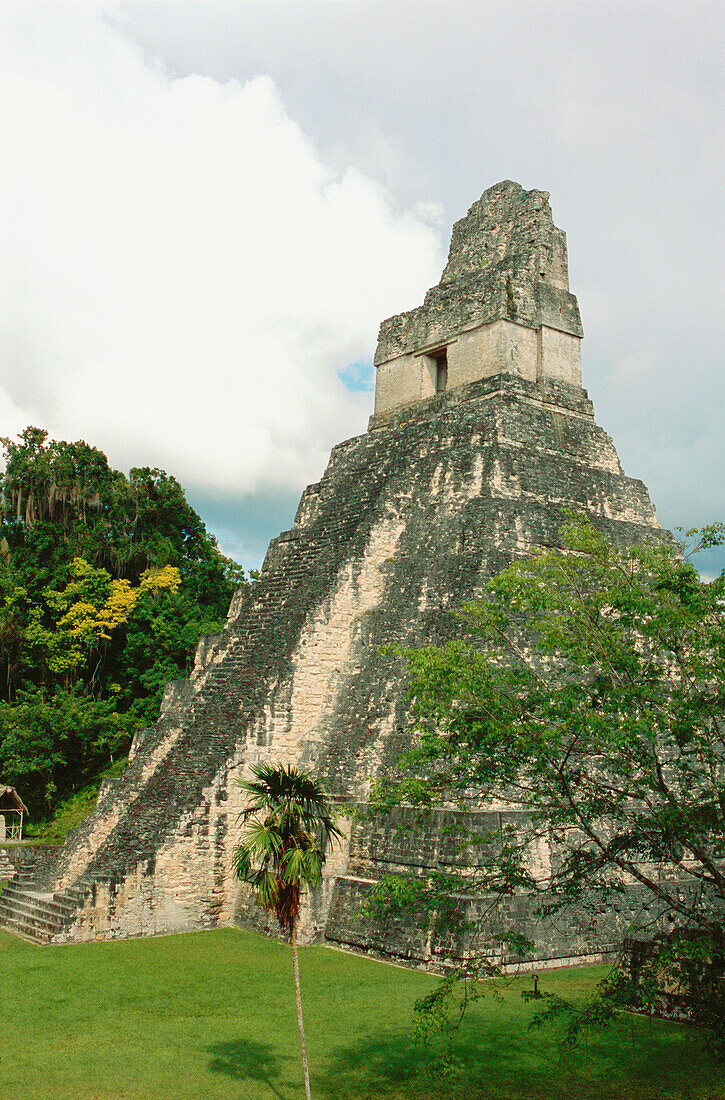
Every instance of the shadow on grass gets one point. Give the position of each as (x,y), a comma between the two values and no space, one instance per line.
(243,1060)
(498,1065)
(375,1066)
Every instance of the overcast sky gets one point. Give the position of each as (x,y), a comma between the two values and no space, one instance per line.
(207,210)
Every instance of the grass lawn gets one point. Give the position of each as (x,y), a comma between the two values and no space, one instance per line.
(211,1015)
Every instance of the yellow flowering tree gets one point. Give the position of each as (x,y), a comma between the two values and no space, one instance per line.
(107,581)
(156,581)
(80,618)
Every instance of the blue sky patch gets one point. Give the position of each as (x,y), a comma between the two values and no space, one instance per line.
(359,377)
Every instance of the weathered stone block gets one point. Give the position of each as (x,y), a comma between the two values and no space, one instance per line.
(502,305)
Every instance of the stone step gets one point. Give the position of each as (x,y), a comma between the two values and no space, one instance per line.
(19,877)
(13,889)
(47,905)
(37,916)
(28,930)
(74,895)
(30,922)
(33,906)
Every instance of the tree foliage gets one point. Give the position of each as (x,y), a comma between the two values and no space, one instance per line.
(106,583)
(288,830)
(589,690)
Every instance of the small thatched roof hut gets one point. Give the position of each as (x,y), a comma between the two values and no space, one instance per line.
(12,807)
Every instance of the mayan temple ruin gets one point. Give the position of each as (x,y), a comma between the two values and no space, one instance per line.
(482,436)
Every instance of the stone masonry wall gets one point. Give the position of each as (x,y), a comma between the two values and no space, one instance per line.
(507,260)
(397,843)
(36,861)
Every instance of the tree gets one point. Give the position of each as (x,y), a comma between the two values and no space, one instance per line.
(106,583)
(288,830)
(51,741)
(591,691)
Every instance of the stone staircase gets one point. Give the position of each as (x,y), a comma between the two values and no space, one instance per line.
(38,916)
(7,868)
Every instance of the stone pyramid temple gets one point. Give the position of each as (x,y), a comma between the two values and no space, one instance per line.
(482,435)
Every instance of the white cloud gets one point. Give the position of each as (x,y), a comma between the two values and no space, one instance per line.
(431,212)
(182,275)
(635,369)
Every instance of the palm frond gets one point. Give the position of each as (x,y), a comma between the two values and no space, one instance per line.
(242,862)
(314,862)
(268,889)
(288,827)
(293,864)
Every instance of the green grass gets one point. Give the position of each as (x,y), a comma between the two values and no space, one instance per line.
(26,842)
(211,1015)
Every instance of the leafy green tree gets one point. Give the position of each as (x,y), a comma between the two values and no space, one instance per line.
(163,630)
(590,690)
(288,830)
(106,583)
(49,742)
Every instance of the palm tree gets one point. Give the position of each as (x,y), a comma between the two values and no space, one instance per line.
(289,827)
